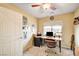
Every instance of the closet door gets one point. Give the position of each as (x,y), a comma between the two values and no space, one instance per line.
(77,39)
(10,32)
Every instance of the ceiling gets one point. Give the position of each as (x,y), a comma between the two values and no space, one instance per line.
(38,13)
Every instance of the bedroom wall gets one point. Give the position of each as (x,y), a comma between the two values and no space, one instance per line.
(67,20)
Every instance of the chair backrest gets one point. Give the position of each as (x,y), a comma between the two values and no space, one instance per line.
(51,43)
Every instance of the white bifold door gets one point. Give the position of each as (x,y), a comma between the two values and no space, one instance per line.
(10,32)
(77,40)
(77,36)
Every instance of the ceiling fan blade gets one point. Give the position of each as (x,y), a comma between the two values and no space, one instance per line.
(53,8)
(35,5)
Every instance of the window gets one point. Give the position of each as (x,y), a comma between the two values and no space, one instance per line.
(56,29)
(47,29)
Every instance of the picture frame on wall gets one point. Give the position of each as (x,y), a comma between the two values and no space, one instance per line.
(25,27)
(24,20)
(32,27)
(76,21)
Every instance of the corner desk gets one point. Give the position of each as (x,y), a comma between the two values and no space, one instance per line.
(52,38)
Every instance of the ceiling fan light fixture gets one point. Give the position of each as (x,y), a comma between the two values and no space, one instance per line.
(46,6)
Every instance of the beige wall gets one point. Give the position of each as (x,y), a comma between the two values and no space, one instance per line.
(76,13)
(67,20)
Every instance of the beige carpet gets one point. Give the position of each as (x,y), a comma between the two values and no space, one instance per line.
(44,51)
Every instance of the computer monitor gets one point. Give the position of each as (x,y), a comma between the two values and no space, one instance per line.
(49,33)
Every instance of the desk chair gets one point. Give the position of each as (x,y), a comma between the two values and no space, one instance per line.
(50,44)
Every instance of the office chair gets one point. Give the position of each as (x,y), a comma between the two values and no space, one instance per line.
(50,44)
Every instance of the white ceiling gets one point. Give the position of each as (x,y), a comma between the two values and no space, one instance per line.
(38,13)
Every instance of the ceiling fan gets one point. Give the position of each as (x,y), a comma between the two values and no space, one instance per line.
(44,6)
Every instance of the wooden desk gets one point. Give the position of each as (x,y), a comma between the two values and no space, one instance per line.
(52,38)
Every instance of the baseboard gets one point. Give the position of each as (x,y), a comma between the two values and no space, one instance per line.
(64,47)
(26,49)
